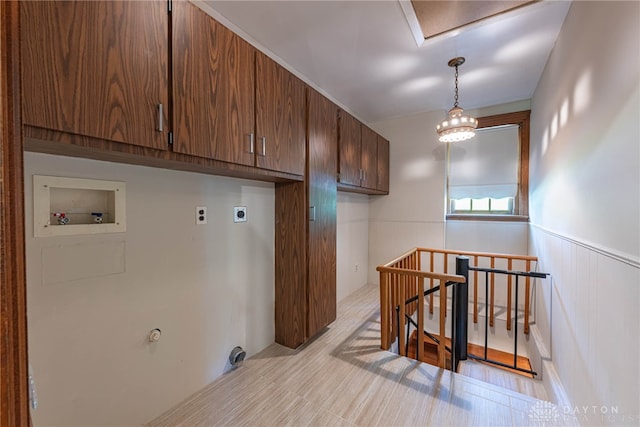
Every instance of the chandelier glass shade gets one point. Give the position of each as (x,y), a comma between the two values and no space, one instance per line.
(458,126)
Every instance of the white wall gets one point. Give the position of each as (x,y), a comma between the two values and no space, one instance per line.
(413,212)
(352,243)
(207,287)
(585,207)
(501,237)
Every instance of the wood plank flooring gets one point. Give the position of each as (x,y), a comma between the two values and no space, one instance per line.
(342,378)
(502,378)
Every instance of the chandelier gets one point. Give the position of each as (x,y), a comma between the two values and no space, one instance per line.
(457,127)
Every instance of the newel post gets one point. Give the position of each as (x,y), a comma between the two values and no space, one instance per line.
(461,304)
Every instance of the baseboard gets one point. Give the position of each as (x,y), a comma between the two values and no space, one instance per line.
(553,385)
(541,362)
(537,351)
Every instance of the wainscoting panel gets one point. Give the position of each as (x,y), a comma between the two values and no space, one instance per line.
(590,322)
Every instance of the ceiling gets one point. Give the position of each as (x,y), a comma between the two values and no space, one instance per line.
(363,54)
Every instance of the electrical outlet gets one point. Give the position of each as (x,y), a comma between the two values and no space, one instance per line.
(240,214)
(201,215)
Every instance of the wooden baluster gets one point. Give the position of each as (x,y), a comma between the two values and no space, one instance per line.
(385,342)
(442,357)
(411,287)
(414,267)
(446,263)
(414,282)
(392,307)
(475,291)
(446,267)
(420,347)
(406,284)
(509,279)
(401,323)
(527,290)
(418,268)
(431,256)
(492,291)
(394,303)
(403,285)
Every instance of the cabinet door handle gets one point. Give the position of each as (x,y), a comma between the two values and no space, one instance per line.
(252,143)
(160,118)
(264,146)
(312,213)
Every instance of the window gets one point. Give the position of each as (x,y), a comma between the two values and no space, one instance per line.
(488,176)
(487,205)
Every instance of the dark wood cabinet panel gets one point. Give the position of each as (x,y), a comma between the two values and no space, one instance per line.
(280,118)
(98,69)
(349,134)
(322,195)
(383,165)
(290,264)
(368,158)
(213,88)
(14,370)
(363,157)
(306,233)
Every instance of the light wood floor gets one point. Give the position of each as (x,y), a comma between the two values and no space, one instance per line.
(342,378)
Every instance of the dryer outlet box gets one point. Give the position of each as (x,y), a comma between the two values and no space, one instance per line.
(240,214)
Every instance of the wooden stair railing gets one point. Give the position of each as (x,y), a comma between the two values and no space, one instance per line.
(400,280)
(404,277)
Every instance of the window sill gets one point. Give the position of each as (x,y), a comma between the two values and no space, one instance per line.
(497,218)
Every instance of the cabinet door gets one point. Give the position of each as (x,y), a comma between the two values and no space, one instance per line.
(280,118)
(213,88)
(322,194)
(96,68)
(383,164)
(350,131)
(368,158)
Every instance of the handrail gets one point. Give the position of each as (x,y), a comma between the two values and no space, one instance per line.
(400,258)
(534,274)
(423,274)
(480,254)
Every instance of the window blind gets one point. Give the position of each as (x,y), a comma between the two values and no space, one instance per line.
(486,166)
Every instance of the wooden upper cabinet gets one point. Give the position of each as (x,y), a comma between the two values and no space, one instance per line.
(280,118)
(322,198)
(363,157)
(383,165)
(98,69)
(368,158)
(213,88)
(349,131)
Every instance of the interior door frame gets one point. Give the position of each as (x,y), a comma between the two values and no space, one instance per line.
(14,399)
